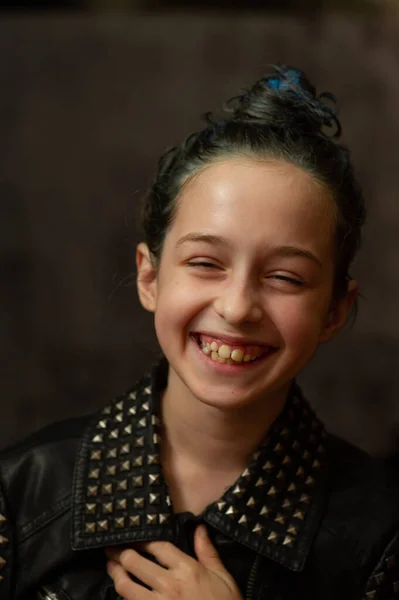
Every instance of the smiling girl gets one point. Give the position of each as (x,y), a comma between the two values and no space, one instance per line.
(212,479)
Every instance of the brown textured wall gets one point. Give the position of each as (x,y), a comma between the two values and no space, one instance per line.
(86,105)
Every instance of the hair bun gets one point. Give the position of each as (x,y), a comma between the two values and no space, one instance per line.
(287,99)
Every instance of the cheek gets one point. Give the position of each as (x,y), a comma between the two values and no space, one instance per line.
(300,321)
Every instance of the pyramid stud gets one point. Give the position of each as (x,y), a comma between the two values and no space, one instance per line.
(119,406)
(285,432)
(155,420)
(231,511)
(121,485)
(132,410)
(261,482)
(119,522)
(138,502)
(243,520)
(119,417)
(145,406)
(102,424)
(268,466)
(272,537)
(106,410)
(3,540)
(125,465)
(296,445)
(292,530)
(102,525)
(91,509)
(278,447)
(256,455)
(251,501)
(108,507)
(90,527)
(287,460)
(95,455)
(134,521)
(139,442)
(280,519)
(156,438)
(125,449)
(110,470)
(127,430)
(112,453)
(287,503)
(288,541)
(147,390)
(138,481)
(154,479)
(221,505)
(265,511)
(163,518)
(371,595)
(94,474)
(138,461)
(280,474)
(106,489)
(142,422)
(292,487)
(272,491)
(238,491)
(3,562)
(300,472)
(309,480)
(304,499)
(92,491)
(152,519)
(299,515)
(258,528)
(155,498)
(121,504)
(306,455)
(153,459)
(114,434)
(246,473)
(98,439)
(316,464)
(132,396)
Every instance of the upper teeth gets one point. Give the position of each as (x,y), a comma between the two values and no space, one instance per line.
(223,353)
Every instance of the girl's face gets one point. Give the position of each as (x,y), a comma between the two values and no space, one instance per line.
(247,265)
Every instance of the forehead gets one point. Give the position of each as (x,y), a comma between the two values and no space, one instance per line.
(255,202)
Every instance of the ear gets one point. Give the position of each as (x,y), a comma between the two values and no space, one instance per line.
(146,278)
(339,313)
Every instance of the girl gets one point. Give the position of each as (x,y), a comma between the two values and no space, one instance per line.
(212,479)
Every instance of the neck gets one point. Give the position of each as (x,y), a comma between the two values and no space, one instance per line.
(211,439)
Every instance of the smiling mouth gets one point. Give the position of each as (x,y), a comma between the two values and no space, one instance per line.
(221,352)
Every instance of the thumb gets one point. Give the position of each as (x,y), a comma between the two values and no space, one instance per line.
(206,552)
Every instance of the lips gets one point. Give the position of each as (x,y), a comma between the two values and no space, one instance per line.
(227,350)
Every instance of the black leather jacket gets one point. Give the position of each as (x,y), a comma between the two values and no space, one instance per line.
(310,518)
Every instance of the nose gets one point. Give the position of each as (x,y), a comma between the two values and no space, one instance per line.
(239,303)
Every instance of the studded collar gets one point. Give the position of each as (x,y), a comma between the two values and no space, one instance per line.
(120,495)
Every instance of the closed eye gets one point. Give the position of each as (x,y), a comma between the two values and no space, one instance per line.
(290,280)
(206,265)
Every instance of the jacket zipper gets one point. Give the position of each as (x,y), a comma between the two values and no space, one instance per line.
(252,578)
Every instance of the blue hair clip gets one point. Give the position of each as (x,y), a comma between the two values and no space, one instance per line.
(292,77)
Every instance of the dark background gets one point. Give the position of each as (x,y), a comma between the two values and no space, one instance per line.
(88,99)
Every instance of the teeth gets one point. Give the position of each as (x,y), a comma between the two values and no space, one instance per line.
(224,354)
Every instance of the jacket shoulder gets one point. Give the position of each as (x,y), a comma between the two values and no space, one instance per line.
(36,474)
(360,521)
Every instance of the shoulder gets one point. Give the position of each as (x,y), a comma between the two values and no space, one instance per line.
(361,519)
(36,474)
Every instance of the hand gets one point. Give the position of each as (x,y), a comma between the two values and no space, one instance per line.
(180,578)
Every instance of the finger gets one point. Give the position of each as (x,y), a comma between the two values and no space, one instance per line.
(166,553)
(124,586)
(206,552)
(145,570)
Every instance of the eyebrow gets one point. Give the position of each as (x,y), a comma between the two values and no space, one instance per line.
(216,240)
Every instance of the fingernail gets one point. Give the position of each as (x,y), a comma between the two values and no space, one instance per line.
(203,532)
